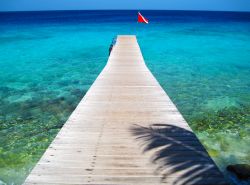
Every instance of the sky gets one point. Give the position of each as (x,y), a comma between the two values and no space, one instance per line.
(29,5)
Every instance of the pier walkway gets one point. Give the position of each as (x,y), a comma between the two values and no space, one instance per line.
(125,131)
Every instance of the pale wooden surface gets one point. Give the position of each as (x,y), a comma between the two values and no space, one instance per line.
(125,130)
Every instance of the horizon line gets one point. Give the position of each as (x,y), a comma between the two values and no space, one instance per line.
(188,10)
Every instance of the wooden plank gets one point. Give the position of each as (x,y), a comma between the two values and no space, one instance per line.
(125,130)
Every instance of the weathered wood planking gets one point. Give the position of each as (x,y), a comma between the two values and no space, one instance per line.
(125,130)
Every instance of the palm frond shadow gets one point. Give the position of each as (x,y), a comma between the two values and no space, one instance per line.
(177,154)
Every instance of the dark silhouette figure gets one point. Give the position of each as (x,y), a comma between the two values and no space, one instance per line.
(112,45)
(178,155)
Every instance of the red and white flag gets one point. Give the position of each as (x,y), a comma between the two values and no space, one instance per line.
(142,19)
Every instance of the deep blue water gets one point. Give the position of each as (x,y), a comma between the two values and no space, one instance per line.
(48,60)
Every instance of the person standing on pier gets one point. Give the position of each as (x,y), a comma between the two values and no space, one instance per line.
(112,45)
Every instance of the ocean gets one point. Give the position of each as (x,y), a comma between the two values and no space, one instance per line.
(48,61)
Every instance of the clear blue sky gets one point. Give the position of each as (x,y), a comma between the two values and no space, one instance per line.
(225,5)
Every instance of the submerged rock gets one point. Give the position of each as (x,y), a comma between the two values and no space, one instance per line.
(242,171)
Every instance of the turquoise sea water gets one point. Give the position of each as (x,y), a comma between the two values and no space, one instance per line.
(48,60)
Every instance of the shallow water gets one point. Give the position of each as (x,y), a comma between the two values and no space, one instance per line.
(48,60)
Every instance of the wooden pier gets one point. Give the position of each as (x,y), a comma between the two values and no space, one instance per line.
(126,131)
